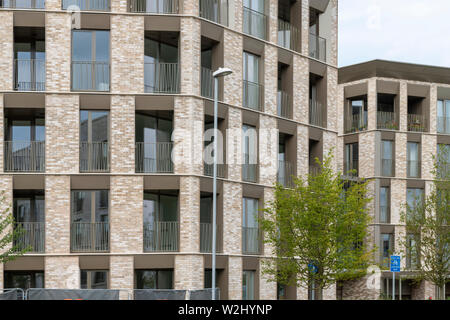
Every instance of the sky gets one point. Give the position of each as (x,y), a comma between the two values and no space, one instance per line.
(415,31)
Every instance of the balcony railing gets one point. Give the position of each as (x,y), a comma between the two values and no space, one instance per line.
(207,84)
(351,168)
(88,5)
(250,240)
(386,120)
(387,167)
(90,76)
(413,169)
(29,75)
(24,156)
(314,169)
(161,236)
(315,113)
(206,237)
(23,4)
(284,104)
(317,47)
(94,157)
(161,77)
(288,35)
(249,168)
(154,157)
(356,122)
(154,6)
(285,174)
(89,237)
(255,23)
(32,236)
(443,125)
(253,95)
(417,123)
(215,10)
(385,214)
(209,168)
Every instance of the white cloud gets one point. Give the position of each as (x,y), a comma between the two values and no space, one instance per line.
(414,31)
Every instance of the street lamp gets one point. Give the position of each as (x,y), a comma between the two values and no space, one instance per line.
(221,72)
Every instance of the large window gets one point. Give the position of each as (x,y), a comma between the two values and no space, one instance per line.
(250,153)
(250,231)
(386,248)
(356,117)
(385,205)
(414,199)
(387,155)
(351,159)
(94,136)
(252,89)
(94,279)
(443,116)
(248,285)
(154,279)
(24,279)
(413,159)
(90,60)
(254,18)
(443,152)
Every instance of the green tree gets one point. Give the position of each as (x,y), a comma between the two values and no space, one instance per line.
(427,240)
(318,230)
(10,234)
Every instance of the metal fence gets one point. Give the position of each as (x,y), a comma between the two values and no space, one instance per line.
(254,23)
(315,113)
(386,120)
(89,237)
(12,294)
(161,77)
(417,123)
(317,47)
(387,167)
(351,168)
(253,95)
(215,10)
(285,174)
(250,240)
(23,4)
(207,83)
(88,5)
(413,169)
(206,237)
(250,172)
(161,236)
(24,156)
(284,104)
(90,75)
(443,125)
(94,156)
(29,75)
(154,6)
(32,236)
(288,35)
(356,122)
(154,157)
(209,168)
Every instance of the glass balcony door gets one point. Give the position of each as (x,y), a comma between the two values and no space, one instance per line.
(443,116)
(251,76)
(154,279)
(250,230)
(413,159)
(29,65)
(248,285)
(254,18)
(94,137)
(351,159)
(385,205)
(387,163)
(250,153)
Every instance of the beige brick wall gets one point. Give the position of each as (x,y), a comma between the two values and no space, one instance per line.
(367,154)
(398,199)
(270,79)
(302,150)
(400,155)
(334,33)
(269,196)
(6,186)
(58,35)
(57,214)
(189,214)
(126,215)
(62,273)
(236,15)
(119,5)
(429,149)
(403,106)
(372,104)
(1,276)
(122,134)
(189,272)
(127,54)
(234,144)
(423,291)
(329,293)
(433,108)
(235,278)
(329,145)
(121,274)
(301,89)
(6,50)
(305,27)
(191,7)
(190,47)
(268,150)
(2,138)
(332,95)
(272,21)
(62,134)
(358,290)
(302,293)
(232,207)
(232,57)
(267,288)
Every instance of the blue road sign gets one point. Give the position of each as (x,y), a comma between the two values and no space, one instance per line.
(395,263)
(312,268)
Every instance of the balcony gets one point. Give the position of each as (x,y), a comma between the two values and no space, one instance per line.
(206,237)
(87,5)
(356,123)
(90,76)
(24,156)
(288,35)
(215,10)
(253,95)
(255,23)
(32,236)
(208,170)
(154,157)
(314,170)
(89,237)
(387,167)
(29,75)
(284,104)
(23,4)
(351,169)
(207,85)
(417,123)
(443,125)
(94,157)
(386,120)
(249,171)
(154,6)
(161,236)
(315,113)
(413,169)
(250,240)
(317,47)
(161,77)
(285,175)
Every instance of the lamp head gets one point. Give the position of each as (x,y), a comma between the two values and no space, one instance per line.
(222,72)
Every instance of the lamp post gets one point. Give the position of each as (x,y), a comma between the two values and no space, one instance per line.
(221,72)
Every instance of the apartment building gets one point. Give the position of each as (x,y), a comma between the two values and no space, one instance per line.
(392,119)
(96,96)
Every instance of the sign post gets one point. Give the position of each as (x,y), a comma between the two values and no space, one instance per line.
(395,267)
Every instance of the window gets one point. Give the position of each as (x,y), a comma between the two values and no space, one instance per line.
(356,118)
(248,285)
(24,279)
(154,279)
(413,159)
(443,116)
(94,136)
(351,159)
(252,89)
(101,5)
(414,199)
(90,60)
(250,229)
(387,248)
(254,18)
(412,251)
(387,154)
(443,157)
(250,153)
(385,207)
(94,279)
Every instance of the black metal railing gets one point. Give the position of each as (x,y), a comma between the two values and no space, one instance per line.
(253,95)
(284,104)
(24,156)
(250,240)
(285,175)
(90,75)
(215,10)
(161,77)
(32,236)
(94,156)
(254,23)
(288,35)
(317,47)
(89,237)
(161,236)
(154,157)
(29,75)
